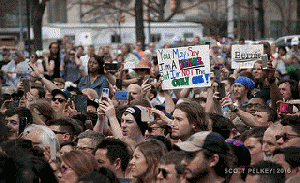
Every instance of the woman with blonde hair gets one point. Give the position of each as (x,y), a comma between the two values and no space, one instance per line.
(74,164)
(144,164)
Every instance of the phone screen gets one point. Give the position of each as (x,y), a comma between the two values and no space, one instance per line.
(119,83)
(14,103)
(26,84)
(264,59)
(111,67)
(121,95)
(80,102)
(105,93)
(221,90)
(22,124)
(285,108)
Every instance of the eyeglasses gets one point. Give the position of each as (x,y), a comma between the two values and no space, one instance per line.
(84,148)
(286,136)
(163,171)
(57,132)
(60,100)
(72,54)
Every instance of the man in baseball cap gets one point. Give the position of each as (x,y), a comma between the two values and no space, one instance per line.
(207,157)
(60,98)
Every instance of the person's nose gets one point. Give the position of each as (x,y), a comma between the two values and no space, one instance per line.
(9,125)
(160,176)
(131,162)
(59,175)
(264,147)
(184,162)
(280,141)
(174,122)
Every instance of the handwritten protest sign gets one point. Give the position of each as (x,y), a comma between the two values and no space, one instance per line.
(244,56)
(184,67)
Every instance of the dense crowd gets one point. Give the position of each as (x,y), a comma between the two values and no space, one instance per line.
(62,118)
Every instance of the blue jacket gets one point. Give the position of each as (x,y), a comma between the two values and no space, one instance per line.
(98,85)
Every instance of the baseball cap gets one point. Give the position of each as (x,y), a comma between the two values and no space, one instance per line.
(211,141)
(63,92)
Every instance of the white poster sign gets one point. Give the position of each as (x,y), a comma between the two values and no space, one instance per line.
(244,56)
(184,67)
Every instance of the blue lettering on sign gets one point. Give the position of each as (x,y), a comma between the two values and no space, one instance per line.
(198,79)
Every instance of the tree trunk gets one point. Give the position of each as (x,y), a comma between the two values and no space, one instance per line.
(298,17)
(139,23)
(251,20)
(261,19)
(161,10)
(37,12)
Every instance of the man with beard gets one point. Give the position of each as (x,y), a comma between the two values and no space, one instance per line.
(241,90)
(291,128)
(207,157)
(271,140)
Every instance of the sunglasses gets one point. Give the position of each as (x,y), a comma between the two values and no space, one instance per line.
(286,136)
(72,54)
(84,148)
(163,171)
(60,100)
(57,132)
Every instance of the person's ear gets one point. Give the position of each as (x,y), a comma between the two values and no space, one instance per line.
(67,137)
(214,160)
(117,164)
(297,169)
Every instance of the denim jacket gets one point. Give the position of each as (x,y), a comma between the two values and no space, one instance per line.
(98,85)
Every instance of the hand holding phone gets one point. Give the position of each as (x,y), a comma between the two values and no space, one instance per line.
(221,90)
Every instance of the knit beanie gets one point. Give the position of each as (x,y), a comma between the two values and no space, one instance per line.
(136,112)
(248,83)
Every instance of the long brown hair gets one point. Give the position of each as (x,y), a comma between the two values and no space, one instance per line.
(153,150)
(44,108)
(196,115)
(81,162)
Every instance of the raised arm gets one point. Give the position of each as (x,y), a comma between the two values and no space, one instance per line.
(108,108)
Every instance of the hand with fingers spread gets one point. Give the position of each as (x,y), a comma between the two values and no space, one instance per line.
(71,111)
(270,72)
(164,119)
(225,72)
(227,101)
(4,105)
(29,99)
(145,88)
(108,108)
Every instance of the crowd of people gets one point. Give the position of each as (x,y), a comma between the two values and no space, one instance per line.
(251,134)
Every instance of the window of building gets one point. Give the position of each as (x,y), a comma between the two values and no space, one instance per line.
(155,37)
(115,38)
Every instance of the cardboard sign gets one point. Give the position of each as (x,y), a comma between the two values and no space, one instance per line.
(132,59)
(244,56)
(129,65)
(184,67)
